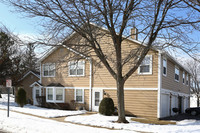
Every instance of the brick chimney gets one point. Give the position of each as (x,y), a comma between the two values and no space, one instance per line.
(134,33)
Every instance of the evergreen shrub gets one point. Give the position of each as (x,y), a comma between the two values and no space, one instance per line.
(106,107)
(21,97)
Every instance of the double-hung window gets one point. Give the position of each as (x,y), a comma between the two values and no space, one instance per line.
(55,94)
(76,68)
(183,77)
(176,76)
(49,70)
(59,94)
(187,80)
(79,95)
(146,65)
(165,67)
(50,94)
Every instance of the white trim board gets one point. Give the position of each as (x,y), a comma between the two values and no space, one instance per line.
(36,75)
(102,88)
(32,85)
(166,91)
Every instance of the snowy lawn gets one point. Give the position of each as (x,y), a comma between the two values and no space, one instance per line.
(107,121)
(34,110)
(20,123)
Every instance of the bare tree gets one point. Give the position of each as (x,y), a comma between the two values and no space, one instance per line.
(159,19)
(194,68)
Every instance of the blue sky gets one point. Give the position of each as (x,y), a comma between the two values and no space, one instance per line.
(26,26)
(22,26)
(16,22)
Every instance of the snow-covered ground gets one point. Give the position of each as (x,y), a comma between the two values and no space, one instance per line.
(189,126)
(25,123)
(20,123)
(30,109)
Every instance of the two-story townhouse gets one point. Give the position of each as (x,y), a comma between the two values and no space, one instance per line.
(159,84)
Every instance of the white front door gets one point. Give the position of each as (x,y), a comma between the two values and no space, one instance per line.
(97,97)
(36,93)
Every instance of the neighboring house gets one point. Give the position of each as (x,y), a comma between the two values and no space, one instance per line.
(159,84)
(26,81)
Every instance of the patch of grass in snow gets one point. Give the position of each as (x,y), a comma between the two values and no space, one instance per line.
(153,121)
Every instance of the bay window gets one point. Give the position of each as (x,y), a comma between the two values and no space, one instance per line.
(50,94)
(59,94)
(55,94)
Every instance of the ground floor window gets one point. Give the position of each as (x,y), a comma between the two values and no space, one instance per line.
(49,93)
(55,94)
(59,94)
(79,95)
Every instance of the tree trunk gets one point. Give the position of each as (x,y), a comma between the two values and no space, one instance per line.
(197,101)
(120,95)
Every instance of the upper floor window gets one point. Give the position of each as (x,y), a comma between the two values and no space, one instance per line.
(146,65)
(49,70)
(183,77)
(176,74)
(187,80)
(79,94)
(76,68)
(164,67)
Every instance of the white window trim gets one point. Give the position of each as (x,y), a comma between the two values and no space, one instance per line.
(82,94)
(184,78)
(47,94)
(163,67)
(150,67)
(54,95)
(76,75)
(43,69)
(175,73)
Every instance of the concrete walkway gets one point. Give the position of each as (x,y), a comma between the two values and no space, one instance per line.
(62,119)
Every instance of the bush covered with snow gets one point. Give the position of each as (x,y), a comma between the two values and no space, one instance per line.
(21,97)
(106,107)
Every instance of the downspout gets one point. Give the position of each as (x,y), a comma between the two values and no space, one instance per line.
(159,84)
(90,85)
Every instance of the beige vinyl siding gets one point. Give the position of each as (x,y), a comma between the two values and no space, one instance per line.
(25,84)
(62,71)
(102,77)
(137,102)
(69,95)
(86,98)
(169,82)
